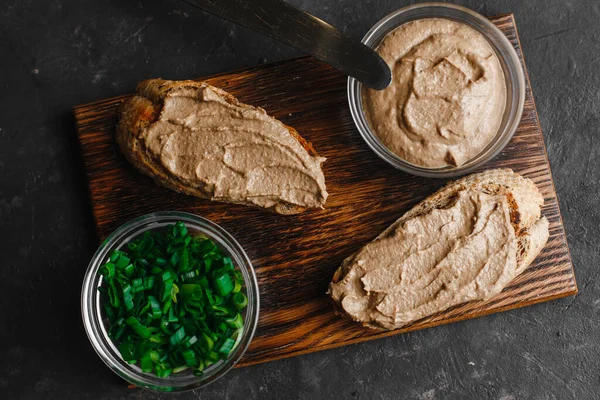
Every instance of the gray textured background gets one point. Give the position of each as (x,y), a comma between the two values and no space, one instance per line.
(56,54)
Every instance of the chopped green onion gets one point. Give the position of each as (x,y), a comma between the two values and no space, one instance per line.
(148,282)
(168,287)
(127,350)
(122,261)
(174,259)
(177,337)
(239,300)
(190,358)
(223,284)
(235,322)
(155,307)
(127,298)
(206,343)
(174,291)
(137,327)
(184,259)
(162,372)
(161,262)
(226,346)
(129,270)
(173,301)
(146,363)
(108,270)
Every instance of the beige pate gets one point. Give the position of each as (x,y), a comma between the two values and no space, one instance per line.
(447,97)
(238,152)
(428,263)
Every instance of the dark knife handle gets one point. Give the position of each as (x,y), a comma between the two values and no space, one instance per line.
(305,32)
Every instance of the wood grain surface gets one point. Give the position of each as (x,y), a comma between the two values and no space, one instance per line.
(296,256)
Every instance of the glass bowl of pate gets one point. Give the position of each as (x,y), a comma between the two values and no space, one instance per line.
(456,96)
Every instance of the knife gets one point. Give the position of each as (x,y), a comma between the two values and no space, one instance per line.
(305,32)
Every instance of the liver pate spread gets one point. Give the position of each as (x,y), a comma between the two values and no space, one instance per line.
(430,262)
(447,97)
(238,152)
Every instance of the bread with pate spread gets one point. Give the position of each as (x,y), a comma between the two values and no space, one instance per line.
(197,139)
(466,242)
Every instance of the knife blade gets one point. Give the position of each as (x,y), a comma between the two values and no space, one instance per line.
(305,32)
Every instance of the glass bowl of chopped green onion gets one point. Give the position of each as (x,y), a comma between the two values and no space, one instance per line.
(170,301)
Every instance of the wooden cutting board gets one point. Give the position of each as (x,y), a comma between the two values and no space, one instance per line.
(295,256)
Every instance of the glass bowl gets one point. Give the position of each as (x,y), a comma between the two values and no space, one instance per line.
(93,318)
(513,74)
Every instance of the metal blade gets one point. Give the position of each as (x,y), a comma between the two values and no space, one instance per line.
(305,32)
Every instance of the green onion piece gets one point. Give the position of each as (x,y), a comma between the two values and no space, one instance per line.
(189,275)
(137,327)
(174,259)
(172,317)
(146,363)
(180,368)
(174,291)
(209,296)
(168,286)
(129,270)
(156,270)
(122,261)
(117,333)
(166,306)
(168,276)
(154,356)
(155,307)
(148,282)
(228,264)
(235,322)
(127,350)
(163,372)
(220,310)
(190,291)
(190,341)
(207,265)
(107,270)
(181,228)
(157,339)
(189,357)
(223,284)
(184,260)
(114,256)
(226,346)
(198,370)
(112,295)
(161,262)
(239,300)
(143,308)
(213,357)
(206,343)
(127,298)
(236,287)
(109,311)
(177,337)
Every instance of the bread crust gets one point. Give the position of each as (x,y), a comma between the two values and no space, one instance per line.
(144,108)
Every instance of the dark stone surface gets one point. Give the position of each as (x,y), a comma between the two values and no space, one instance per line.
(55,54)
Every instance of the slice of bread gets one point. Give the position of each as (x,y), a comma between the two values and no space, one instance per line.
(524,204)
(144,109)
